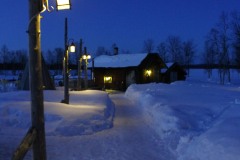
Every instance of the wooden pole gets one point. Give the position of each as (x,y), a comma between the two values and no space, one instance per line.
(66,71)
(79,65)
(36,82)
(85,70)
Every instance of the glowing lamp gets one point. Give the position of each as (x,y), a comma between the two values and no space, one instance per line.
(148,73)
(63,4)
(107,79)
(86,56)
(72,47)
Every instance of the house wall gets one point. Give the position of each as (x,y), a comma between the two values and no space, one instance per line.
(118,78)
(123,77)
(175,73)
(154,63)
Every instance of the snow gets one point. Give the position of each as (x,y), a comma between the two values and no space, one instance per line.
(169,64)
(196,119)
(118,61)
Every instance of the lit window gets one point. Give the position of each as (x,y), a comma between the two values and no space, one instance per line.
(148,73)
(107,79)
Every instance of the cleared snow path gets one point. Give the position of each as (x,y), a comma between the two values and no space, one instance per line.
(136,139)
(130,138)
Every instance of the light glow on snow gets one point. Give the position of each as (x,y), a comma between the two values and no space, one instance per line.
(196,119)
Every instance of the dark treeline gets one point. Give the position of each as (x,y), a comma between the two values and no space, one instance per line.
(205,66)
(12,66)
(221,50)
(222,45)
(12,60)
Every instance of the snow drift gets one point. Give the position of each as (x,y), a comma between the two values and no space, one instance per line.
(88,112)
(196,120)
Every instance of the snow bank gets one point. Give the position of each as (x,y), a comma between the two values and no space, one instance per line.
(156,112)
(88,112)
(196,120)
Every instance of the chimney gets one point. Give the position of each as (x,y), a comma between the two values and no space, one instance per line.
(115,50)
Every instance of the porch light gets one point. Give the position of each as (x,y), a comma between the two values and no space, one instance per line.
(63,4)
(148,73)
(107,79)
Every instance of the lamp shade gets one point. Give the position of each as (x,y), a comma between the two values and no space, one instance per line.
(86,56)
(72,47)
(63,4)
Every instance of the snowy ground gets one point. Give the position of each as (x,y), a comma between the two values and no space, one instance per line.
(193,120)
(196,121)
(87,113)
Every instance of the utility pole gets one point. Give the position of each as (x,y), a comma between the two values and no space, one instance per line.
(36,80)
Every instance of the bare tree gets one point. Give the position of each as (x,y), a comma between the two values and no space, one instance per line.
(5,57)
(148,46)
(22,56)
(224,44)
(18,60)
(174,46)
(236,36)
(58,55)
(50,59)
(162,51)
(5,54)
(211,50)
(188,48)
(209,57)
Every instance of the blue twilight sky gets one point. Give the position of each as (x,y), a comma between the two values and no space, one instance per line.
(124,22)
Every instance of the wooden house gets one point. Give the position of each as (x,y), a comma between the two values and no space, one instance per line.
(121,70)
(172,72)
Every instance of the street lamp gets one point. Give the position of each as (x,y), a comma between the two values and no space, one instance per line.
(72,47)
(35,74)
(63,4)
(79,65)
(68,48)
(86,57)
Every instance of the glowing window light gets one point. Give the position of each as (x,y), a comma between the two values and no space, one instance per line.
(148,73)
(107,79)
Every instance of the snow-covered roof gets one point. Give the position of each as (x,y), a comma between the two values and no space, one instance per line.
(169,64)
(119,61)
(164,70)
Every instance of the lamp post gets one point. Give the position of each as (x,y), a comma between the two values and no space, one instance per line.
(86,57)
(35,72)
(79,66)
(68,48)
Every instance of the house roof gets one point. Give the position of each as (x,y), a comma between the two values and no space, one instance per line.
(118,61)
(168,65)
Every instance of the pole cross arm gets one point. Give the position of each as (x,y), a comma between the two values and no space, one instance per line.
(25,145)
